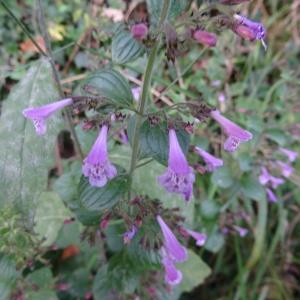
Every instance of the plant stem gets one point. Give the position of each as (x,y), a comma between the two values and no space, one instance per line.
(24,28)
(144,97)
(67,110)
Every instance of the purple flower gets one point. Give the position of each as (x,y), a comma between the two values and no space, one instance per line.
(129,235)
(172,275)
(240,230)
(271,196)
(139,31)
(256,31)
(136,92)
(206,38)
(221,97)
(179,176)
(265,177)
(291,155)
(199,237)
(235,133)
(286,169)
(96,165)
(39,115)
(172,247)
(212,162)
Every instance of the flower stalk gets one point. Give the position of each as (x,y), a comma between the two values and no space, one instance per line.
(49,54)
(144,97)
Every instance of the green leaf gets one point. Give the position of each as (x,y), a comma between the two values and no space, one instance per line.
(222,177)
(8,277)
(42,278)
(277,135)
(154,141)
(214,242)
(66,185)
(176,8)
(41,295)
(145,183)
(125,48)
(111,85)
(49,218)
(209,209)
(93,201)
(68,235)
(194,272)
(27,157)
(251,188)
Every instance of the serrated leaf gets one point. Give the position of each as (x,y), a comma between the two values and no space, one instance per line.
(49,217)
(251,188)
(222,177)
(154,141)
(92,201)
(26,157)
(111,85)
(194,271)
(125,48)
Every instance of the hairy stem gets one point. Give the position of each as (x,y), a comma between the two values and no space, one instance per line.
(67,110)
(144,96)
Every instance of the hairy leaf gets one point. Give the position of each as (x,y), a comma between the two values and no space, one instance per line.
(125,48)
(92,201)
(154,141)
(26,157)
(194,272)
(111,85)
(49,217)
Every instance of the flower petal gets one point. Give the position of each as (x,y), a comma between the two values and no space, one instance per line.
(173,248)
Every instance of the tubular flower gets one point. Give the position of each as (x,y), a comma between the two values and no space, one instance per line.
(136,92)
(249,29)
(179,176)
(206,38)
(172,275)
(235,133)
(199,237)
(291,155)
(271,196)
(240,230)
(265,177)
(129,235)
(212,163)
(39,115)
(173,248)
(286,169)
(96,165)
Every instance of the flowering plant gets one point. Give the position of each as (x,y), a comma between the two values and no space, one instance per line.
(145,167)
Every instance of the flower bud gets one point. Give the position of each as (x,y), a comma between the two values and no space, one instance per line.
(206,38)
(139,31)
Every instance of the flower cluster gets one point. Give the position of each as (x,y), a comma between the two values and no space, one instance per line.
(96,166)
(285,169)
(173,252)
